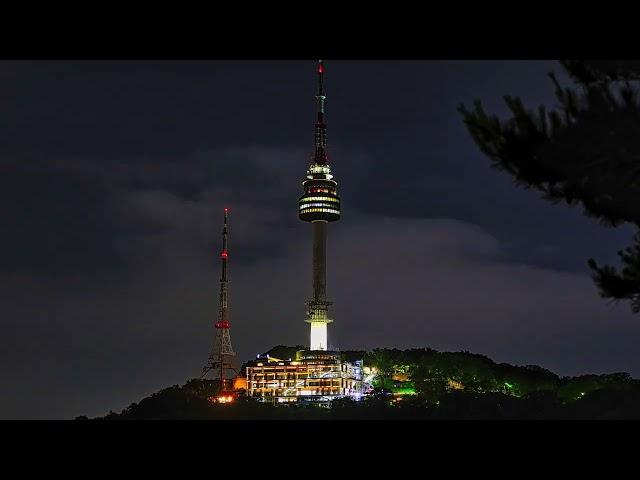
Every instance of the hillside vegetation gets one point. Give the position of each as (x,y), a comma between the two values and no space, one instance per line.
(422,384)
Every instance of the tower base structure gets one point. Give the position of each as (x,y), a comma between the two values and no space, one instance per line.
(318,339)
(314,376)
(318,318)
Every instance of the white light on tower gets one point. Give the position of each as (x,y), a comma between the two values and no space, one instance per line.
(318,336)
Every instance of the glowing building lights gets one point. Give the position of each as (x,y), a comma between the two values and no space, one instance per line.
(322,210)
(319,169)
(310,205)
(315,377)
(321,199)
(318,336)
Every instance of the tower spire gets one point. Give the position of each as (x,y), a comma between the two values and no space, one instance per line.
(320,82)
(321,134)
(221,356)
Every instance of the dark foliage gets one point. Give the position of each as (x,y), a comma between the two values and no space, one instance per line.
(352,355)
(585,152)
(284,352)
(449,385)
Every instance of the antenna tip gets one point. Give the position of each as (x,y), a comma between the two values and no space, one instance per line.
(320,66)
(226,210)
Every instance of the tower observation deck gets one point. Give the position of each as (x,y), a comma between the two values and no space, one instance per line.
(319,205)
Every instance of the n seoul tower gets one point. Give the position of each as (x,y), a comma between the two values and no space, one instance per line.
(320,204)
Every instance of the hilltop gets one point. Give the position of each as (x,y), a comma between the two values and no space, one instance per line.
(425,384)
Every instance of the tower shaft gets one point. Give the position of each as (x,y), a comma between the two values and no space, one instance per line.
(319,306)
(319,260)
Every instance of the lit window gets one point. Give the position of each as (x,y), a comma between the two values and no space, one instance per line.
(320,199)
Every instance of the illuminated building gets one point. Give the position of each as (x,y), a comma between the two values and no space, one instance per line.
(314,376)
(319,205)
(220,359)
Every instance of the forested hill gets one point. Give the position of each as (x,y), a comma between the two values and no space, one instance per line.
(422,383)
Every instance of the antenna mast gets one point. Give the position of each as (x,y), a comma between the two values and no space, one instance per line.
(220,359)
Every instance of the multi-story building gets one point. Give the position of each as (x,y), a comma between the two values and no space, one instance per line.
(314,376)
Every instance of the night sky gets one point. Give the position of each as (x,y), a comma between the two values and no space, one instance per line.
(114,176)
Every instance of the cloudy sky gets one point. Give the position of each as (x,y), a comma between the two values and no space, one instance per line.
(114,176)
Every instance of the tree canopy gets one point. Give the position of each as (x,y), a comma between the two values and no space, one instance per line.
(584,152)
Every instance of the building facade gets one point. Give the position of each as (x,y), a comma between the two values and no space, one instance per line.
(314,377)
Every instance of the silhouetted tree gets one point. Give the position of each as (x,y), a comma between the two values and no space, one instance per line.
(382,360)
(284,352)
(428,381)
(584,152)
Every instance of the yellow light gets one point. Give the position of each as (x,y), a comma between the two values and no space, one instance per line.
(455,385)
(319,169)
(326,205)
(324,199)
(326,210)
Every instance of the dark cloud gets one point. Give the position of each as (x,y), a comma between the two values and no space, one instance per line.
(115,174)
(54,222)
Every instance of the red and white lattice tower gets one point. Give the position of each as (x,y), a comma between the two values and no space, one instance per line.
(220,360)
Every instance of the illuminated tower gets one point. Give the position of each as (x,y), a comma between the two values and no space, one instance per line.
(320,204)
(220,359)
